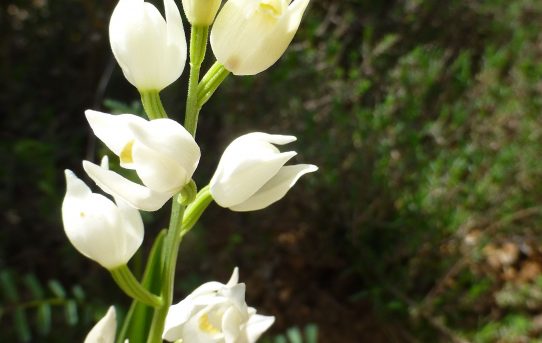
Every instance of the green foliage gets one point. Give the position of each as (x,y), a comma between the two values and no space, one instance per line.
(423,116)
(34,308)
(309,334)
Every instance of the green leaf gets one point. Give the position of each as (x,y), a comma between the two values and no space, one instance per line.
(294,335)
(137,322)
(31,282)
(70,311)
(78,293)
(311,333)
(280,339)
(57,289)
(21,325)
(8,285)
(44,319)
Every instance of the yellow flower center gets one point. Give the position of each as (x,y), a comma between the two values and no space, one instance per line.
(206,326)
(126,153)
(272,8)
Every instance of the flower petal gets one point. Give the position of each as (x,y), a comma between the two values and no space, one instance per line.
(134,194)
(104,330)
(232,322)
(246,165)
(150,51)
(176,317)
(234,278)
(113,130)
(157,171)
(275,188)
(171,139)
(295,13)
(97,228)
(257,325)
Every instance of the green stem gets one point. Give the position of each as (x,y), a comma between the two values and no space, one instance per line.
(128,283)
(153,105)
(135,322)
(171,252)
(181,222)
(210,82)
(196,208)
(198,46)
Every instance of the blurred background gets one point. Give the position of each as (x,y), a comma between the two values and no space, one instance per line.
(423,223)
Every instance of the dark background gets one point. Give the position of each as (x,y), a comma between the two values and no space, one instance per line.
(422,224)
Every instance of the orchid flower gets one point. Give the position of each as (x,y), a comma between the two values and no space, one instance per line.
(103,231)
(150,50)
(216,313)
(249,36)
(163,154)
(251,174)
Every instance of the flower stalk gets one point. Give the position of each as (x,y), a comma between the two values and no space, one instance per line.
(210,82)
(153,105)
(169,262)
(198,47)
(128,283)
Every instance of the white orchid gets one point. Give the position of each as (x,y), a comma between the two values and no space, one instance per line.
(201,12)
(216,313)
(104,330)
(103,231)
(249,36)
(161,151)
(150,50)
(251,174)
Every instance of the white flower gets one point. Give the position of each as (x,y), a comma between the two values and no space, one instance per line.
(102,231)
(249,36)
(251,174)
(216,313)
(104,330)
(161,151)
(201,12)
(150,50)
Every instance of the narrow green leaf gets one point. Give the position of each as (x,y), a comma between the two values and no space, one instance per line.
(44,319)
(137,322)
(21,325)
(8,285)
(311,333)
(57,289)
(70,311)
(31,282)
(294,335)
(280,339)
(78,293)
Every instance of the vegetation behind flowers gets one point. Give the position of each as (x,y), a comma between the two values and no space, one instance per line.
(423,117)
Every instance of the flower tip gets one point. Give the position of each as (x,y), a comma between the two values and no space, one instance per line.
(94,116)
(69,174)
(312,168)
(105,162)
(234,278)
(104,330)
(74,185)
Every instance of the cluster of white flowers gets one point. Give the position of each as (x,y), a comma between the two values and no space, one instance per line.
(213,312)
(247,37)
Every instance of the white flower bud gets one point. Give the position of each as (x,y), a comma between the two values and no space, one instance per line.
(251,174)
(150,50)
(249,36)
(102,231)
(216,313)
(104,330)
(201,12)
(163,154)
